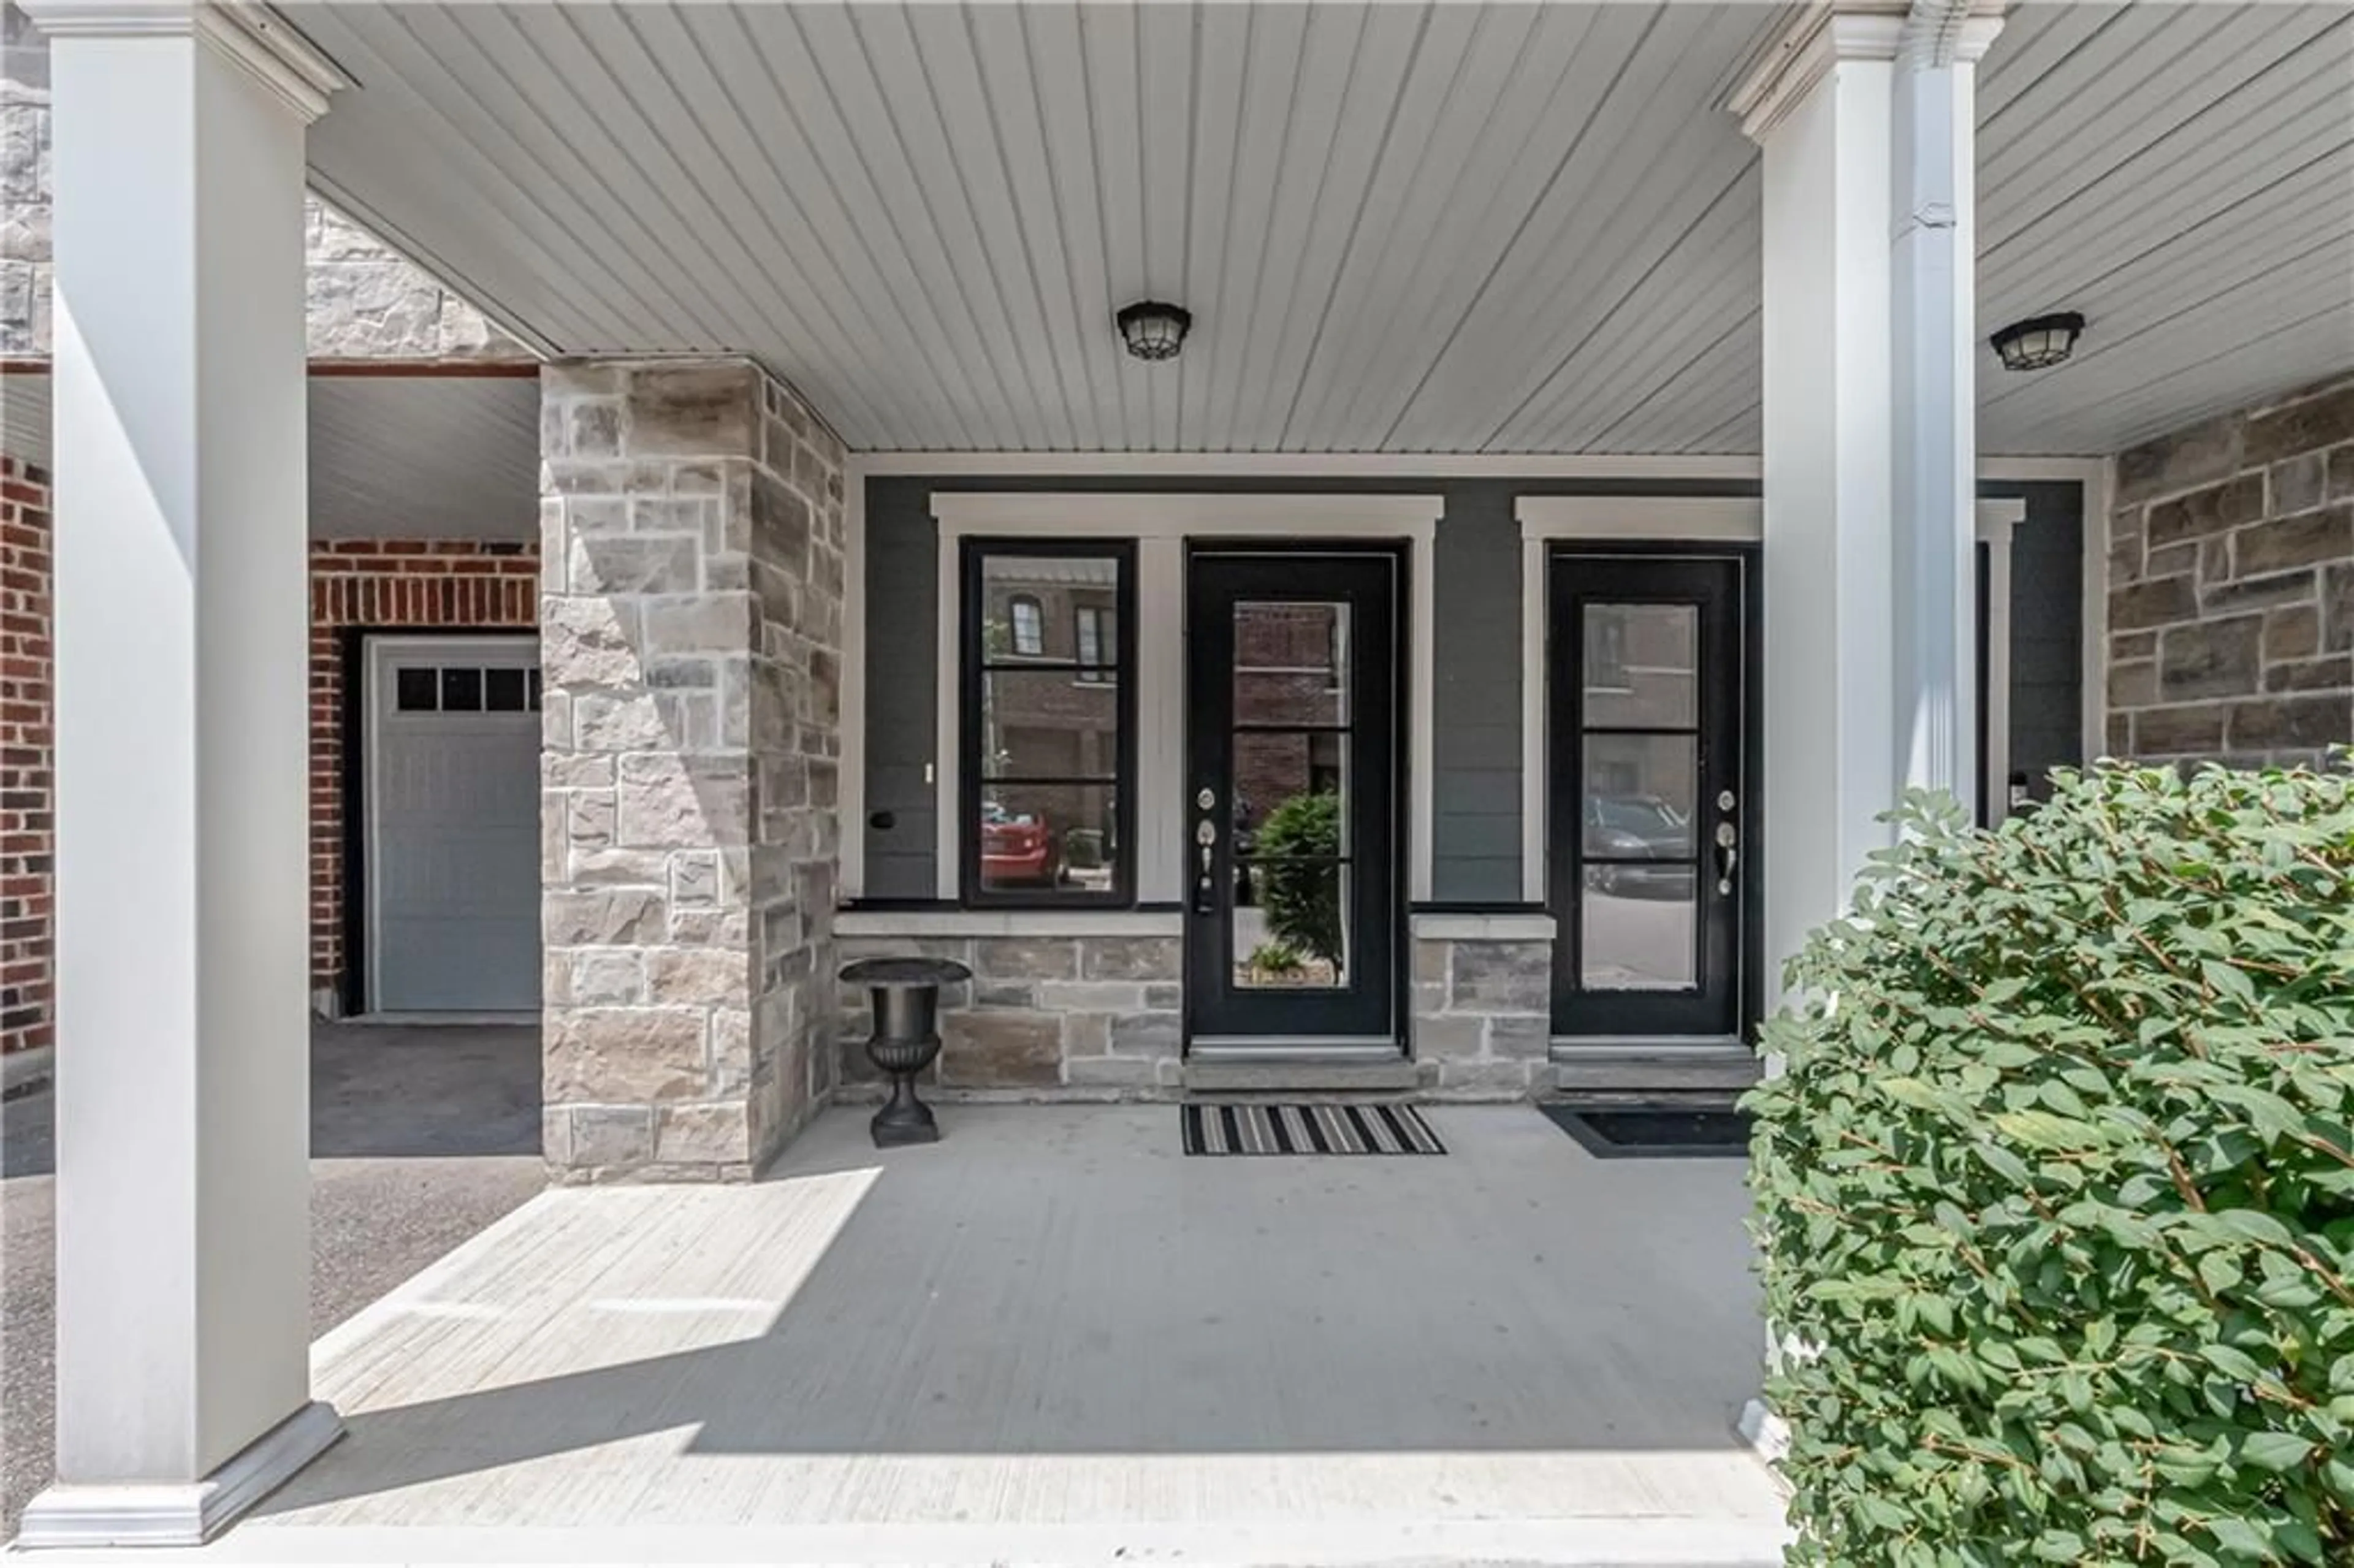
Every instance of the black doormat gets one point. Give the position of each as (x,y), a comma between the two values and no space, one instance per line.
(1654,1133)
(1326,1129)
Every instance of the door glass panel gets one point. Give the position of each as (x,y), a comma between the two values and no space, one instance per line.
(1291,923)
(1640,664)
(1043,836)
(1292,665)
(1291,800)
(1639,929)
(1276,766)
(1049,723)
(1639,796)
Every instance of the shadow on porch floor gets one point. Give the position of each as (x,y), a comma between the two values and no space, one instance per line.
(1053,1321)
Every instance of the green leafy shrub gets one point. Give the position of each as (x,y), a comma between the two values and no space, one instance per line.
(2056,1193)
(1298,882)
(1276,958)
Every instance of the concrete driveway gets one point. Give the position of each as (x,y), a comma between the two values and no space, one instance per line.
(419,1136)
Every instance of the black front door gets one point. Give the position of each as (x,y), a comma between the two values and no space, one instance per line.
(1291,793)
(1651,844)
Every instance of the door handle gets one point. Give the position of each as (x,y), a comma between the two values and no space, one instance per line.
(1205,880)
(1728,855)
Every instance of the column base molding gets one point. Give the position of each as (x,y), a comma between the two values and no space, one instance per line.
(181,1515)
(1767,1435)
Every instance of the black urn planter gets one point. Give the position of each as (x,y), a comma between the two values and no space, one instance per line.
(906,993)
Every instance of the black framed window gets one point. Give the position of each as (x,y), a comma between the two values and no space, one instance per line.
(1096,628)
(1026,623)
(1048,763)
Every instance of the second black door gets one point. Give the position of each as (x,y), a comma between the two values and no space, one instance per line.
(1291,932)
(1652,856)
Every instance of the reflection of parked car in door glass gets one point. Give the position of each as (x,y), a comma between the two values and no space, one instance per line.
(1018,847)
(1637,828)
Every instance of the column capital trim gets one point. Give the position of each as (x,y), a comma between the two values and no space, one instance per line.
(252,37)
(1996,519)
(1795,62)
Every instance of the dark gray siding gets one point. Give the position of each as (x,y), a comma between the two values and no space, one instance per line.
(903,671)
(1476,737)
(2047,623)
(1475,698)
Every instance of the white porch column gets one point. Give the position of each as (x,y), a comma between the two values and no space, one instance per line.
(1870,435)
(182,1062)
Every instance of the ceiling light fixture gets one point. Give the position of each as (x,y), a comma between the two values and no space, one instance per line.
(2040,342)
(1153,331)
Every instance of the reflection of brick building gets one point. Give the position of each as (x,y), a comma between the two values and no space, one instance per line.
(1289,665)
(1057,723)
(1641,667)
(1044,730)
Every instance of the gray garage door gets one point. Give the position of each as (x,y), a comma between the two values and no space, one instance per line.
(453,824)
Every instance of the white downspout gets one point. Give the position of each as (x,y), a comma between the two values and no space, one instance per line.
(1935,470)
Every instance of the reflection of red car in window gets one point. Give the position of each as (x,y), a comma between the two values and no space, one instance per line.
(1018,847)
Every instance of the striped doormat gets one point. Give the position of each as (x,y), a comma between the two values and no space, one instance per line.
(1257,1128)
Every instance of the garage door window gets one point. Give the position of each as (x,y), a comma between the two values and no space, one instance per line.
(464,689)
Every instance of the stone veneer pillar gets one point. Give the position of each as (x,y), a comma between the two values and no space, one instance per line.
(690,615)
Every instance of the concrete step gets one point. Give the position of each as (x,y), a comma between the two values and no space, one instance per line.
(1617,1072)
(1303,1076)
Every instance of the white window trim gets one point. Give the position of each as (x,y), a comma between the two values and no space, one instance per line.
(850,787)
(1161,524)
(1548,520)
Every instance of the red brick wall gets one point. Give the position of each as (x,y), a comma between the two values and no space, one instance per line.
(28,992)
(443,585)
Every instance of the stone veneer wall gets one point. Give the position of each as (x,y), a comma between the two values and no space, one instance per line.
(366,301)
(1043,1017)
(1087,1016)
(27,763)
(1482,1013)
(438,584)
(2231,586)
(690,637)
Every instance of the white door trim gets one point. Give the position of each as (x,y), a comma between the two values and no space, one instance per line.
(2095,481)
(376,702)
(1161,524)
(1996,522)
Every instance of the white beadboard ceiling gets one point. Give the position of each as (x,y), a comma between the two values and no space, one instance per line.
(1401,227)
(431,457)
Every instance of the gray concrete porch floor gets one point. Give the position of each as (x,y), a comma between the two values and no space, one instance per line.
(419,1136)
(1053,1339)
